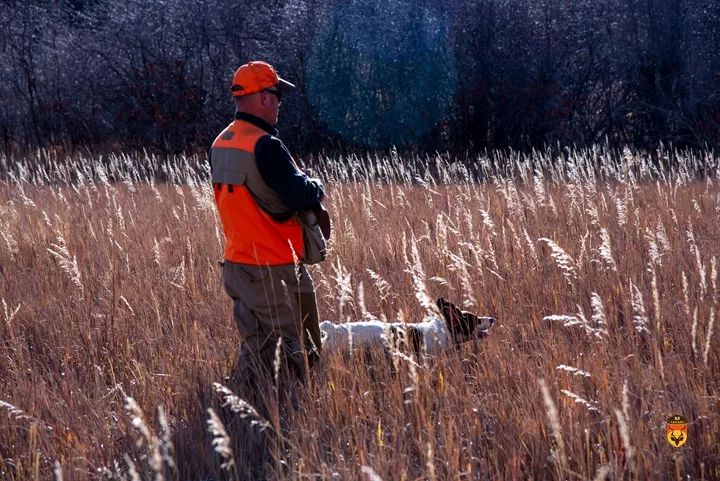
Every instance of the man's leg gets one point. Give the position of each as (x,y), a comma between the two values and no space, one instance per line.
(310,326)
(250,371)
(273,302)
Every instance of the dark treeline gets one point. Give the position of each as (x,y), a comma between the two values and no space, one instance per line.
(451,75)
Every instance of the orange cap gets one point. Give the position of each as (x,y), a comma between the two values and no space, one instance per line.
(256,76)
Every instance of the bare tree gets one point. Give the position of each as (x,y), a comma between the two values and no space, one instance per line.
(459,74)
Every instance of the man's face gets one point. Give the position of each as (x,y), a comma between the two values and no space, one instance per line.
(271,100)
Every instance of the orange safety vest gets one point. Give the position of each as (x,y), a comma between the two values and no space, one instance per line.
(252,235)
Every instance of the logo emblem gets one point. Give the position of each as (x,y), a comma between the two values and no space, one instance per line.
(676,431)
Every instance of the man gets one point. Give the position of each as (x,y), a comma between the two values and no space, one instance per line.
(258,189)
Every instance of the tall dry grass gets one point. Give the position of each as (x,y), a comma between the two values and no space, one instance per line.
(600,266)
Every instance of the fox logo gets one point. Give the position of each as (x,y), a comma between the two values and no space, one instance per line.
(676,431)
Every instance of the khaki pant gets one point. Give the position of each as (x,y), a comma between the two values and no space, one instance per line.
(271,303)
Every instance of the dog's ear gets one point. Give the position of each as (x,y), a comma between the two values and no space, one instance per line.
(453,318)
(441,302)
(469,321)
(448,311)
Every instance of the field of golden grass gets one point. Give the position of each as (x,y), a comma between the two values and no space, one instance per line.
(601,268)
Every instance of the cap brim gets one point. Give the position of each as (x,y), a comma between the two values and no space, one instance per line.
(285,86)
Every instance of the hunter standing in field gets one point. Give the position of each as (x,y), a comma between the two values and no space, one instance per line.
(259,191)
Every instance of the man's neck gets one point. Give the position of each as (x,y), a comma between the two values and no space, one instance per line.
(256,121)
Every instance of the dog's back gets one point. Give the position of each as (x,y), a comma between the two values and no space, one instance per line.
(432,335)
(354,334)
(351,334)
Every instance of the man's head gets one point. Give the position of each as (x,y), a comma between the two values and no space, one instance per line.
(257,90)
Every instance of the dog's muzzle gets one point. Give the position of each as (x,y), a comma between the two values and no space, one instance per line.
(483,327)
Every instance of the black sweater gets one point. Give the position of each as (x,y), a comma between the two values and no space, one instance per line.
(277,168)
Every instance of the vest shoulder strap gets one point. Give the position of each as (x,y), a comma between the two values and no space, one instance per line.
(234,163)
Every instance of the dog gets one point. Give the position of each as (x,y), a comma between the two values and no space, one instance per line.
(432,335)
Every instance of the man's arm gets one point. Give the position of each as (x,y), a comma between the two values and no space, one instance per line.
(277,168)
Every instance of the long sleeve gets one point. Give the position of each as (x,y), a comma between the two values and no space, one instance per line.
(278,170)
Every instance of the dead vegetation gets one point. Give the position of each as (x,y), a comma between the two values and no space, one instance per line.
(601,269)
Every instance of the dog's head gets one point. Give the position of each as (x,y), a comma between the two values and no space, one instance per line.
(462,325)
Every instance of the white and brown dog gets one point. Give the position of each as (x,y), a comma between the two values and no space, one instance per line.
(432,335)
